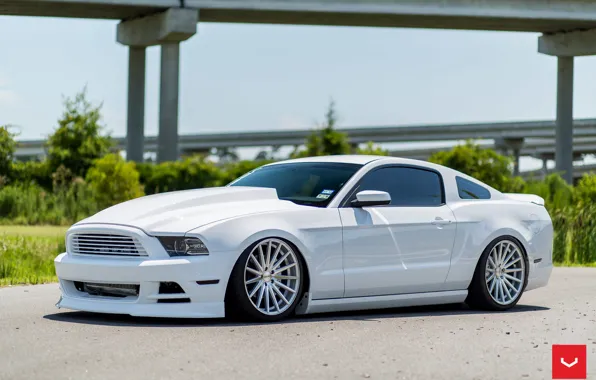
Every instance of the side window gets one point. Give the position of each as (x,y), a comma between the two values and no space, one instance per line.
(470,190)
(407,186)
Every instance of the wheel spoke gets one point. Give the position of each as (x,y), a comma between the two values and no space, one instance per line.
(254,260)
(253,280)
(268,261)
(277,250)
(275,302)
(492,262)
(283,258)
(260,298)
(513,270)
(254,291)
(500,254)
(510,286)
(284,286)
(256,273)
(504,285)
(282,277)
(280,294)
(492,286)
(267,298)
(286,268)
(513,262)
(506,261)
(513,278)
(492,276)
(261,257)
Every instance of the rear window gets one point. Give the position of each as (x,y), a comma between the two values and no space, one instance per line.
(470,190)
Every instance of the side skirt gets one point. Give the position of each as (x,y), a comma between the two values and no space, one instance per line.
(310,306)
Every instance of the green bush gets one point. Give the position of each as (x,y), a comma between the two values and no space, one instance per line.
(557,194)
(585,191)
(190,173)
(32,172)
(114,180)
(234,170)
(33,205)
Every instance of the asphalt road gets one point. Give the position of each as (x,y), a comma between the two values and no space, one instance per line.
(38,341)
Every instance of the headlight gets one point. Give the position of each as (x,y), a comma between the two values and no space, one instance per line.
(183,246)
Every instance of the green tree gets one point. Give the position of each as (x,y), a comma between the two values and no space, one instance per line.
(372,149)
(7,149)
(326,140)
(78,141)
(486,165)
(114,180)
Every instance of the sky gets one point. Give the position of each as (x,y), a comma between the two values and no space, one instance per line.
(267,77)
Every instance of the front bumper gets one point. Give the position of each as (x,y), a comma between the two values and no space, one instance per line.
(206,300)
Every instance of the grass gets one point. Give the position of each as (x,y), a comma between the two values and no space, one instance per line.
(27,254)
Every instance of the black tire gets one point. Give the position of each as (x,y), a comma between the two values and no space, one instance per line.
(238,304)
(478,291)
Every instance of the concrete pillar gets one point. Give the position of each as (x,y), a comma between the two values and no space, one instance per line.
(516,154)
(513,144)
(135,132)
(564,128)
(167,29)
(544,167)
(167,140)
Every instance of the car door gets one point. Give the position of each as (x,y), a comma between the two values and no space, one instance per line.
(403,247)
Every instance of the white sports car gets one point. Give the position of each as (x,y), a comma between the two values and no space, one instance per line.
(310,235)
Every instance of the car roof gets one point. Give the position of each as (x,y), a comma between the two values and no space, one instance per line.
(346,158)
(361,159)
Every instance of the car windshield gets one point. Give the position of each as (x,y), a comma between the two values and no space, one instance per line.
(307,183)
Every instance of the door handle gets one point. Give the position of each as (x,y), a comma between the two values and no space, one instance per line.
(440,221)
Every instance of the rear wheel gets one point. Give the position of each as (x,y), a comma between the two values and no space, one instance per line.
(267,281)
(500,277)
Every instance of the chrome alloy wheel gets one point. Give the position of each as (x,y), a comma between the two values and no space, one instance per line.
(272,276)
(505,272)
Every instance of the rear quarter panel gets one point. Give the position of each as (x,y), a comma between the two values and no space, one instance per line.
(479,222)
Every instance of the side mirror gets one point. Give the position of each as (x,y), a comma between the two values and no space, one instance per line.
(371,198)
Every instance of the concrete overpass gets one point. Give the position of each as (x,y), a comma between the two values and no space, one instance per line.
(527,138)
(568,27)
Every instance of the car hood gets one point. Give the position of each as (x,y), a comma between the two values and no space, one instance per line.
(181,211)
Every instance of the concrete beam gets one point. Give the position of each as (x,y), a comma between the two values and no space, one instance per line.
(571,44)
(173,25)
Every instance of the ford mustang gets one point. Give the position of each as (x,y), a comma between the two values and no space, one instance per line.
(310,235)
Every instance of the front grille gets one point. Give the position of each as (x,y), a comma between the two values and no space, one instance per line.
(108,290)
(104,244)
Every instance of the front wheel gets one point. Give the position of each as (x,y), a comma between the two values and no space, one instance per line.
(500,277)
(267,280)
